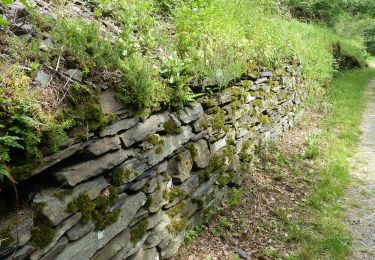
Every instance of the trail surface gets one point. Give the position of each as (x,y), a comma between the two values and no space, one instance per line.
(360,197)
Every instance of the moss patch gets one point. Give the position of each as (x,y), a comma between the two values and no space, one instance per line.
(43,232)
(171,195)
(172,128)
(5,237)
(98,210)
(174,211)
(138,231)
(177,226)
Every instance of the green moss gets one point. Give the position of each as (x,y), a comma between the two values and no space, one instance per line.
(213,110)
(258,103)
(224,179)
(43,232)
(203,122)
(120,175)
(23,172)
(264,119)
(229,153)
(193,150)
(174,211)
(237,94)
(97,210)
(138,231)
(104,220)
(171,195)
(230,140)
(159,149)
(5,237)
(235,105)
(208,103)
(62,194)
(177,226)
(215,165)
(84,204)
(218,121)
(172,128)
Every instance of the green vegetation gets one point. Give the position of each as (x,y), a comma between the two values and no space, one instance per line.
(319,230)
(329,236)
(138,231)
(98,210)
(43,231)
(164,54)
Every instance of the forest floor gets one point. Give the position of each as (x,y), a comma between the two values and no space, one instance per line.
(299,195)
(360,196)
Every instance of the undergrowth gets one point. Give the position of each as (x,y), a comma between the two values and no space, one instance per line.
(164,55)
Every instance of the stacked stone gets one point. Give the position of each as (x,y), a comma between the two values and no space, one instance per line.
(162,175)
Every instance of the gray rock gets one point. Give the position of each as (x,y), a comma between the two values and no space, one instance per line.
(192,113)
(53,245)
(190,185)
(141,180)
(266,74)
(202,155)
(151,185)
(19,227)
(22,253)
(86,247)
(241,253)
(75,74)
(46,45)
(156,218)
(144,129)
(43,78)
(60,245)
(179,167)
(158,234)
(145,254)
(203,189)
(187,188)
(119,126)
(72,175)
(79,230)
(109,103)
(104,145)
(141,214)
(261,80)
(120,242)
(173,246)
(156,201)
(170,145)
(216,146)
(55,209)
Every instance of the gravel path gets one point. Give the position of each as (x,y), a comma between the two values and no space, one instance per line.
(360,197)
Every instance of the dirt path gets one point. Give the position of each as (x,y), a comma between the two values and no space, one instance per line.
(360,197)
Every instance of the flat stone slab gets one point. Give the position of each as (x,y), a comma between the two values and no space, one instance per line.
(55,208)
(80,172)
(170,145)
(86,247)
(144,129)
(192,113)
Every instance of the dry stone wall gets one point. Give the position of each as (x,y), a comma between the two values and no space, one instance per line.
(132,190)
